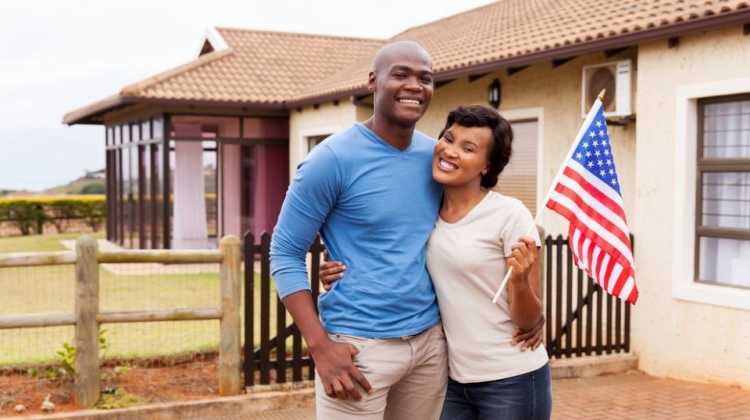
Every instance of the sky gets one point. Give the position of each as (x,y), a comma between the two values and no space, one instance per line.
(56,56)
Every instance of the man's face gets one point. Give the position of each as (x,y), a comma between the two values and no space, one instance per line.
(403,87)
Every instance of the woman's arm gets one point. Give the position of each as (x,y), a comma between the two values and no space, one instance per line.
(523,285)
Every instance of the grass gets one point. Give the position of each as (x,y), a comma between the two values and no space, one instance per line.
(51,289)
(38,243)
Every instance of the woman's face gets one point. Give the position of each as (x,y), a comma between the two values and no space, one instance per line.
(461,155)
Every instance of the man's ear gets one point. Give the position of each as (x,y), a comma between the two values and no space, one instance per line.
(371,82)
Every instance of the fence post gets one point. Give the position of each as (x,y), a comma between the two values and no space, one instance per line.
(230,345)
(87,329)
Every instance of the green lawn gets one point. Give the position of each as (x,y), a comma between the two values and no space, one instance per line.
(38,243)
(51,289)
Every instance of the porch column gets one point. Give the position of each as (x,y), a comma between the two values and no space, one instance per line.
(190,228)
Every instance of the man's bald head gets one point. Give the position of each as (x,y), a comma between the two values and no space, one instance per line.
(397,51)
(401,83)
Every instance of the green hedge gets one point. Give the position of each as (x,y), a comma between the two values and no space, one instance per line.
(30,214)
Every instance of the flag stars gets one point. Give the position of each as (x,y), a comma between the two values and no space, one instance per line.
(590,164)
(614,181)
(601,133)
(579,155)
(602,173)
(588,154)
(609,162)
(600,163)
(595,143)
(598,123)
(592,134)
(597,153)
(606,152)
(585,145)
(611,171)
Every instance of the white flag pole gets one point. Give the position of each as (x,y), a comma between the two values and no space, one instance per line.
(586,122)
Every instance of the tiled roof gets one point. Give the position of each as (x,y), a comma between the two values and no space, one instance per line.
(511,30)
(282,70)
(258,67)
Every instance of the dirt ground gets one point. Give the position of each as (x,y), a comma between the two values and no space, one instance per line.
(123,384)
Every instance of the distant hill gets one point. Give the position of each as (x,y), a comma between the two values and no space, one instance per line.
(91,183)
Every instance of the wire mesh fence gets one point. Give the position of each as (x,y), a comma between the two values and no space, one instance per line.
(27,290)
(123,287)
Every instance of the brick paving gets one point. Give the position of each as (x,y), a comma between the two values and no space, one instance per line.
(637,396)
(625,396)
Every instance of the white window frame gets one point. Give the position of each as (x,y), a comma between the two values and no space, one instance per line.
(683,228)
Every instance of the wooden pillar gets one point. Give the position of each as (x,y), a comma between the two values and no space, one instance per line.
(230,344)
(87,329)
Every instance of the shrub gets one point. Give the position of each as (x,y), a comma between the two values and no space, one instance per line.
(94,188)
(29,214)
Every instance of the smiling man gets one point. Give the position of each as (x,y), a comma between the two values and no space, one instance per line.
(378,346)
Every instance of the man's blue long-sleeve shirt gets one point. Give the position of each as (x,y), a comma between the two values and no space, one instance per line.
(375,207)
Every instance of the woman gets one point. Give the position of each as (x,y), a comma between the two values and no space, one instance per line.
(479,235)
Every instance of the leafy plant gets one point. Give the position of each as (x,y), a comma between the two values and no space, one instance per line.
(67,355)
(118,399)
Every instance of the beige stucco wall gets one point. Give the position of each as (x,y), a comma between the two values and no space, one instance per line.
(557,91)
(309,121)
(677,338)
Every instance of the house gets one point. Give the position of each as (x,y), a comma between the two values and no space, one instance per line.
(678,102)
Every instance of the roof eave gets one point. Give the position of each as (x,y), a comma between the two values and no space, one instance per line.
(89,114)
(618,41)
(92,114)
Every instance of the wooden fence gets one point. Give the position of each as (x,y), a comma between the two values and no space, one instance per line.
(581,319)
(87,317)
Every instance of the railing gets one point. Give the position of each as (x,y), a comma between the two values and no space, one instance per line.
(87,316)
(258,357)
(581,319)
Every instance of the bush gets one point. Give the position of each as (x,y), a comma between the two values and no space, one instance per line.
(30,214)
(94,188)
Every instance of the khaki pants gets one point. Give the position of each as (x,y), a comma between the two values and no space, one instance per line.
(408,375)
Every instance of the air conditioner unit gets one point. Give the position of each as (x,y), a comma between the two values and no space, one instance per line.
(615,77)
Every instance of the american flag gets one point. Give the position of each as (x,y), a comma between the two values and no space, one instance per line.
(587,193)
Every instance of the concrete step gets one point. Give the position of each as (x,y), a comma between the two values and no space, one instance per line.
(588,366)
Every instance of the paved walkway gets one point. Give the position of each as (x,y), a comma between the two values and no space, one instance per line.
(625,396)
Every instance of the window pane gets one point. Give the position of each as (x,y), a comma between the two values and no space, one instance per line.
(146,130)
(725,261)
(726,130)
(726,199)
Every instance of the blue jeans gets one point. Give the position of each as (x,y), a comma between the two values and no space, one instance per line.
(523,397)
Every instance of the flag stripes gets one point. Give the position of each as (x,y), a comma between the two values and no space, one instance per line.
(586,192)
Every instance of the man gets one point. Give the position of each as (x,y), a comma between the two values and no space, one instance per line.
(380,351)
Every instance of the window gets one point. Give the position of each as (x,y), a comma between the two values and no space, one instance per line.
(313,141)
(519,177)
(722,232)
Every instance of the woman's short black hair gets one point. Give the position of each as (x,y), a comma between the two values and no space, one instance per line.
(502,136)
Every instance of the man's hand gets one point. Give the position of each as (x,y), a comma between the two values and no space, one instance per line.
(530,339)
(330,273)
(335,366)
